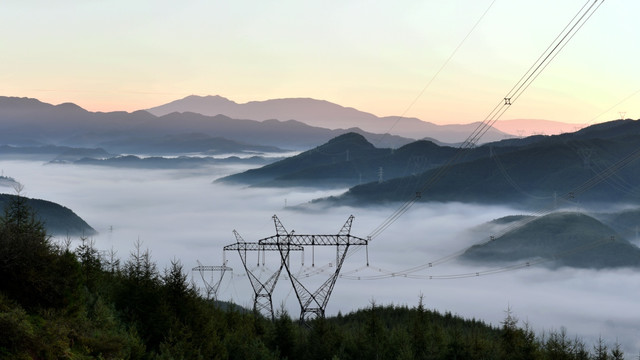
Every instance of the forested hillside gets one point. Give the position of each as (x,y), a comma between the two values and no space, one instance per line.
(346,160)
(559,239)
(62,303)
(56,219)
(589,171)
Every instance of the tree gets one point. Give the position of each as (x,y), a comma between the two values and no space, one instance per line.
(558,346)
(90,262)
(35,272)
(601,350)
(376,336)
(510,335)
(139,299)
(616,352)
(418,332)
(177,289)
(283,334)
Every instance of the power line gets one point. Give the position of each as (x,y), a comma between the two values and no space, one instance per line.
(435,75)
(516,91)
(502,269)
(569,196)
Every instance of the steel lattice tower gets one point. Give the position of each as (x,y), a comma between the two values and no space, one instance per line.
(313,303)
(262,301)
(212,286)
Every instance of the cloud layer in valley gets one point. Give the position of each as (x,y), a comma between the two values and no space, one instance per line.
(180,214)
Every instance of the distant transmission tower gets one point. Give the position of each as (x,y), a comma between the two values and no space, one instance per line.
(313,303)
(262,289)
(418,164)
(212,286)
(623,114)
(585,154)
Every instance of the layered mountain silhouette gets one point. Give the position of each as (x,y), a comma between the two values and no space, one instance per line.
(346,160)
(47,152)
(29,122)
(528,127)
(324,114)
(559,239)
(596,164)
(532,171)
(58,220)
(160,162)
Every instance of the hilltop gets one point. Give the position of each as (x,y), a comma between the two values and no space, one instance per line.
(346,160)
(559,239)
(57,219)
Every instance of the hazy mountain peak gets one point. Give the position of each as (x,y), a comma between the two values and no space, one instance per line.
(322,113)
(208,98)
(526,127)
(349,138)
(67,106)
(14,102)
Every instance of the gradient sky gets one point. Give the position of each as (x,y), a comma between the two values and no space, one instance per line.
(373,56)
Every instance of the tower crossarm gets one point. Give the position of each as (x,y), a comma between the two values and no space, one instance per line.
(212,268)
(256,246)
(313,240)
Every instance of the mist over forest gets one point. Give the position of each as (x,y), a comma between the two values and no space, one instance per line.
(186,215)
(523,225)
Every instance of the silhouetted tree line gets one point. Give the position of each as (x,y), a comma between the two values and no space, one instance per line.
(59,303)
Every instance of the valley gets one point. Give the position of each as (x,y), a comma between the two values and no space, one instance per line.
(185,205)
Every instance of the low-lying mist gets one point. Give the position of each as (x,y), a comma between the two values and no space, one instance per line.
(180,214)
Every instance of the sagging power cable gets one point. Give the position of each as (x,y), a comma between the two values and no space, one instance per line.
(576,23)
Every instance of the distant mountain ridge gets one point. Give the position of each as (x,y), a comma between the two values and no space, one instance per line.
(30,122)
(346,160)
(528,127)
(325,114)
(526,172)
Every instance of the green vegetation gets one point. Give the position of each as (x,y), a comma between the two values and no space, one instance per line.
(566,168)
(562,239)
(346,160)
(58,303)
(57,219)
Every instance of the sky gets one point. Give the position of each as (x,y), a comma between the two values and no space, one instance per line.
(377,57)
(181,215)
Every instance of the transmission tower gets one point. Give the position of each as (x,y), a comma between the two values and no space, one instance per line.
(313,303)
(585,154)
(212,286)
(418,164)
(262,301)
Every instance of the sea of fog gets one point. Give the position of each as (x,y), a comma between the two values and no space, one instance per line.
(181,215)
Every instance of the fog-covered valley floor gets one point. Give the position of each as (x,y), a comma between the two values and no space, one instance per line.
(180,214)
